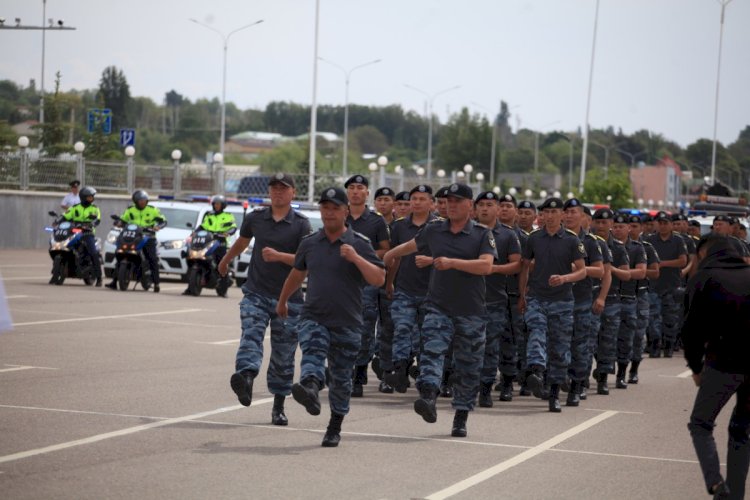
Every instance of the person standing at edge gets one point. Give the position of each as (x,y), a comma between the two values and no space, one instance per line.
(278,231)
(337,262)
(373,226)
(558,257)
(462,254)
(716,341)
(71,198)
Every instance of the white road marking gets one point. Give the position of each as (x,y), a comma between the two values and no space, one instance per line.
(685,374)
(24,265)
(19,278)
(520,458)
(221,342)
(638,457)
(123,432)
(82,412)
(17,296)
(118,316)
(15,368)
(618,411)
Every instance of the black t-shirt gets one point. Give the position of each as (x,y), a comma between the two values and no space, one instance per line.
(619,258)
(552,254)
(512,281)
(582,290)
(370,224)
(636,255)
(506,243)
(669,249)
(410,279)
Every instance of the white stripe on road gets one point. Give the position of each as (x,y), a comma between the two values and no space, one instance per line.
(222,342)
(123,432)
(24,265)
(95,318)
(15,368)
(685,374)
(19,278)
(18,296)
(520,458)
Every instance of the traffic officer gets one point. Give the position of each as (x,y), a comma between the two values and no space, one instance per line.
(642,297)
(527,215)
(462,254)
(337,262)
(583,334)
(278,231)
(88,214)
(500,346)
(146,216)
(221,224)
(628,296)
(606,350)
(407,282)
(403,207)
(665,315)
(558,262)
(373,226)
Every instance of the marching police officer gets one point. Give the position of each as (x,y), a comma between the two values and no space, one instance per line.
(337,262)
(527,215)
(86,212)
(402,206)
(441,202)
(509,214)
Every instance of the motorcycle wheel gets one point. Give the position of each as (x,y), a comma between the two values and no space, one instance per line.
(59,270)
(123,275)
(195,278)
(145,280)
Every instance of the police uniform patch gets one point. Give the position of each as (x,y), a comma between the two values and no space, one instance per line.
(330,193)
(492,241)
(358,179)
(453,188)
(580,248)
(279,176)
(421,189)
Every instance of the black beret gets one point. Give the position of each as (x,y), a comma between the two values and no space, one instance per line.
(723,218)
(421,188)
(676,217)
(647,218)
(402,196)
(334,194)
(552,203)
(694,223)
(527,204)
(442,192)
(507,198)
(603,214)
(634,219)
(384,191)
(621,219)
(486,195)
(460,191)
(660,216)
(587,210)
(572,202)
(357,179)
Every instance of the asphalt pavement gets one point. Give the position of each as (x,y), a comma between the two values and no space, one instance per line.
(111,394)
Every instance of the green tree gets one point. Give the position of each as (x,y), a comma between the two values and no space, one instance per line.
(464,139)
(115,93)
(367,139)
(53,132)
(617,186)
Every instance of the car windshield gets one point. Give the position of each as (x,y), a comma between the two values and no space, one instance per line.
(179,217)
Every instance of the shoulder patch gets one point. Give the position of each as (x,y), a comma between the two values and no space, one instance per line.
(534,231)
(360,235)
(436,220)
(400,218)
(597,237)
(310,234)
(506,225)
(479,224)
(571,232)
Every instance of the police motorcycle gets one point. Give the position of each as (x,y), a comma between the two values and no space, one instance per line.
(203,269)
(131,263)
(69,257)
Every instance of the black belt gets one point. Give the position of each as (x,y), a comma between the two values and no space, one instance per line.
(633,297)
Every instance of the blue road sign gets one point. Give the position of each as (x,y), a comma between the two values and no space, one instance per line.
(127,137)
(99,118)
(106,120)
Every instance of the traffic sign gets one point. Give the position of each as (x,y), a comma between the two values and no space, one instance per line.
(99,118)
(106,120)
(127,137)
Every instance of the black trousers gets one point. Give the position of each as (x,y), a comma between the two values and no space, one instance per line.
(89,244)
(149,250)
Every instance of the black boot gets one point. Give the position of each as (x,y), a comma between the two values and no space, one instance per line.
(601,384)
(554,398)
(633,376)
(506,391)
(524,389)
(620,377)
(485,395)
(459,421)
(446,387)
(112,286)
(655,350)
(277,412)
(425,405)
(412,369)
(242,385)
(668,349)
(583,387)
(398,378)
(535,381)
(385,388)
(333,431)
(359,379)
(574,394)
(98,282)
(375,363)
(306,394)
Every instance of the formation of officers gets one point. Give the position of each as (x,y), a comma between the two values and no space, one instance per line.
(448,289)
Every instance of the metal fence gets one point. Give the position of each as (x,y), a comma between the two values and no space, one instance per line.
(21,171)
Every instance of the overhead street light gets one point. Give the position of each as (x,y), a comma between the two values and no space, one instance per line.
(225,39)
(347,74)
(724,4)
(584,153)
(430,101)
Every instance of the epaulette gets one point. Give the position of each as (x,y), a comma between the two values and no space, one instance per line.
(361,236)
(636,242)
(618,242)
(695,238)
(571,232)
(400,218)
(677,233)
(480,225)
(534,231)
(436,219)
(646,243)
(310,234)
(506,225)
(596,236)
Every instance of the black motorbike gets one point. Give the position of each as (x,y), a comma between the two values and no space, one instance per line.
(131,263)
(69,256)
(202,266)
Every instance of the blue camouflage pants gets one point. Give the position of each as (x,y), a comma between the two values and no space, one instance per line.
(338,345)
(256,312)
(606,349)
(518,327)
(385,332)
(550,326)
(581,341)
(665,318)
(407,316)
(369,320)
(499,348)
(653,332)
(642,311)
(628,327)
(467,333)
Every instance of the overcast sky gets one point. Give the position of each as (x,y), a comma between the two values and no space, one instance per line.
(655,64)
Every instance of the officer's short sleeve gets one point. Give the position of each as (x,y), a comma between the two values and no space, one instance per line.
(578,249)
(382,233)
(487,244)
(423,241)
(514,244)
(365,250)
(593,252)
(246,231)
(681,248)
(395,234)
(640,256)
(528,249)
(300,258)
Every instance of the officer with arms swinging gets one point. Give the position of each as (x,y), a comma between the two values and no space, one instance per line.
(88,213)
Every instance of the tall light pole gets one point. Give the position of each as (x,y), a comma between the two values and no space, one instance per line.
(347,74)
(724,4)
(225,39)
(494,140)
(570,161)
(313,112)
(430,101)
(632,156)
(588,104)
(536,146)
(606,157)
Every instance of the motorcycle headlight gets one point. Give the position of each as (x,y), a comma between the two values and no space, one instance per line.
(112,237)
(173,244)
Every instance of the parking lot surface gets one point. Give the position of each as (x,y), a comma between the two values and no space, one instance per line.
(110,394)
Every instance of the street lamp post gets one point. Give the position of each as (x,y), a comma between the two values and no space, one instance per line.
(724,4)
(468,169)
(400,171)
(632,156)
(78,147)
(588,104)
(129,153)
(606,157)
(494,140)
(430,101)
(225,39)
(219,171)
(480,179)
(536,146)
(382,162)
(347,74)
(23,143)
(372,167)
(176,173)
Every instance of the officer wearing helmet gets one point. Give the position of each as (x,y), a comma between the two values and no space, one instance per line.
(144,215)
(86,212)
(221,224)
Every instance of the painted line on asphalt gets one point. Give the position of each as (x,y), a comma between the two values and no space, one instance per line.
(24,265)
(81,412)
(618,411)
(520,458)
(117,316)
(18,296)
(15,368)
(19,278)
(685,374)
(618,455)
(180,323)
(221,342)
(123,432)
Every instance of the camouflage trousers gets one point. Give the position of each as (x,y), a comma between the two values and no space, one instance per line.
(518,327)
(339,346)
(581,341)
(384,341)
(256,312)
(369,320)
(550,326)
(499,347)
(467,334)
(642,311)
(627,330)
(665,318)
(407,317)
(606,347)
